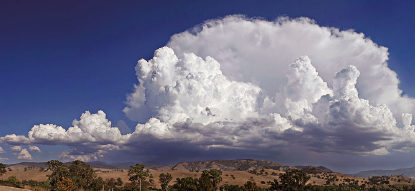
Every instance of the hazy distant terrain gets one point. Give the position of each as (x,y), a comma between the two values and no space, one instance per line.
(409,172)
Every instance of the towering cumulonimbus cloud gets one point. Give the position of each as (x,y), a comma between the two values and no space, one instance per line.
(307,105)
(249,85)
(255,50)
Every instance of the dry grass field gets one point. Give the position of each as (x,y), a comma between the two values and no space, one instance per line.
(240,177)
(33,174)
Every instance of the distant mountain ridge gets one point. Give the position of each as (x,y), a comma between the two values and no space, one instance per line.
(226,165)
(94,164)
(409,172)
(223,165)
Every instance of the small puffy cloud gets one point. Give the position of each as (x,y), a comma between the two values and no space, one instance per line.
(4,159)
(24,155)
(34,149)
(16,148)
(1,150)
(90,135)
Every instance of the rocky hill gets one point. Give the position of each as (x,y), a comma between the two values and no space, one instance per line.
(314,169)
(22,165)
(226,165)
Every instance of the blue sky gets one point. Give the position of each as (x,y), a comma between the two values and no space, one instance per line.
(62,58)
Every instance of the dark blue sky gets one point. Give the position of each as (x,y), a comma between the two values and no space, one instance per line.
(61,58)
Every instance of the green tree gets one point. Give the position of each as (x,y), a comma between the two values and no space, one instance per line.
(59,172)
(110,183)
(119,182)
(137,173)
(97,184)
(82,174)
(251,186)
(3,169)
(13,180)
(185,184)
(214,177)
(66,184)
(205,184)
(164,180)
(227,187)
(52,164)
(293,180)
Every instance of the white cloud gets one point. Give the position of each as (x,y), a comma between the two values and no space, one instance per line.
(3,159)
(34,149)
(407,120)
(15,139)
(175,89)
(304,82)
(1,150)
(24,155)
(16,148)
(381,151)
(93,128)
